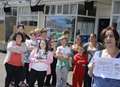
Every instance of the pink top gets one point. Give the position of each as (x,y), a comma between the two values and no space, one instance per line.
(47,62)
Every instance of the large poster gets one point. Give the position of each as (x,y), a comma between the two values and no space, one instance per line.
(107,68)
(57,24)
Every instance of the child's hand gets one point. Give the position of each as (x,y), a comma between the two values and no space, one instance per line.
(80,61)
(67,57)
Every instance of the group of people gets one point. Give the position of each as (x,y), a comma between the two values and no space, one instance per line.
(36,57)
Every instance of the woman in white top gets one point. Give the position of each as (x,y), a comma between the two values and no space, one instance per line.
(14,60)
(104,62)
(91,47)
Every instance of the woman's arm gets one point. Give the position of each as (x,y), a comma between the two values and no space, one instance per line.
(14,48)
(90,69)
(32,57)
(91,65)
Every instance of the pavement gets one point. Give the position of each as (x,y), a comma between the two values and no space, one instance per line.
(3,73)
(2,70)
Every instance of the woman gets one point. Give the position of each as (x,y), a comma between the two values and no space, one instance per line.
(91,47)
(110,38)
(80,61)
(14,60)
(40,60)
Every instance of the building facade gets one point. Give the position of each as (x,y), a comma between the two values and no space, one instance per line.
(76,15)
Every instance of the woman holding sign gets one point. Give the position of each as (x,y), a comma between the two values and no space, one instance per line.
(105,65)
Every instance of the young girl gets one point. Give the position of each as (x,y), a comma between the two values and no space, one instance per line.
(51,78)
(63,56)
(14,60)
(30,45)
(80,61)
(40,59)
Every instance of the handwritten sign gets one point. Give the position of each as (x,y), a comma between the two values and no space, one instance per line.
(107,68)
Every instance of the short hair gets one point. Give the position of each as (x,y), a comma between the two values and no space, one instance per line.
(65,32)
(43,30)
(32,32)
(62,37)
(15,35)
(37,30)
(79,36)
(116,34)
(93,34)
(20,25)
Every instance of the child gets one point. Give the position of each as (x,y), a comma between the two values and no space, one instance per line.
(40,60)
(80,61)
(63,56)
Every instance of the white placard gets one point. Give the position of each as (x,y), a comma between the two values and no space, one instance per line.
(107,68)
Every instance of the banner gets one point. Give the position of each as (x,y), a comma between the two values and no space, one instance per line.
(107,68)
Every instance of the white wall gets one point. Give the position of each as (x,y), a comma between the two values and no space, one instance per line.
(104,8)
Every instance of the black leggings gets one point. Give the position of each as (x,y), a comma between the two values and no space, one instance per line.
(27,76)
(37,75)
(13,73)
(87,79)
(48,79)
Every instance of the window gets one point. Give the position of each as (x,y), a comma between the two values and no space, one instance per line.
(116,8)
(85,26)
(29,23)
(53,8)
(59,9)
(81,9)
(86,10)
(92,12)
(115,19)
(14,12)
(33,23)
(73,8)
(57,24)
(24,22)
(47,10)
(65,9)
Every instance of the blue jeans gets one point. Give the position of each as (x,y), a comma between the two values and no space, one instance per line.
(105,82)
(61,77)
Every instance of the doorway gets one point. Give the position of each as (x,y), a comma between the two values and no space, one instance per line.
(103,23)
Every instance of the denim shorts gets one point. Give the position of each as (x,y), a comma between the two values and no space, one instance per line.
(105,82)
